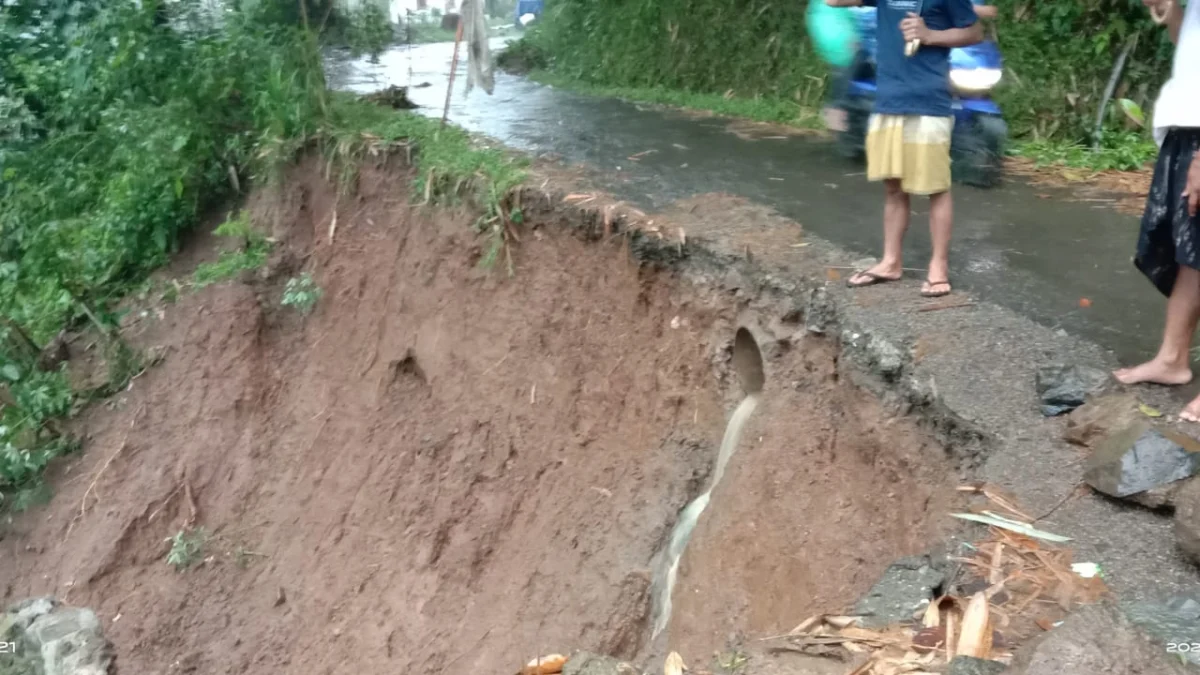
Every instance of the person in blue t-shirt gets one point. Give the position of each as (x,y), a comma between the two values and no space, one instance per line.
(908,138)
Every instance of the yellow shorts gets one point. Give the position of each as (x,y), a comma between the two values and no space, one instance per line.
(911,148)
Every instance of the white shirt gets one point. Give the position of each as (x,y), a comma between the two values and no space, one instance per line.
(1179,103)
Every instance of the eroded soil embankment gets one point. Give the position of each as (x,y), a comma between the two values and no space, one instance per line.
(446,470)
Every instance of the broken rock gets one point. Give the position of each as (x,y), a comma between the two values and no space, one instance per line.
(1138,459)
(57,639)
(1096,419)
(906,587)
(1096,639)
(820,314)
(1063,388)
(1187,520)
(886,359)
(1175,621)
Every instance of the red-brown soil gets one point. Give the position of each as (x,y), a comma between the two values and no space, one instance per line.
(443,469)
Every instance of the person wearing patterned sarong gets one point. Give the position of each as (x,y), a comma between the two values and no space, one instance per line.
(1168,247)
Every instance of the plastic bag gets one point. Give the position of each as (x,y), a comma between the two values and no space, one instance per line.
(833,31)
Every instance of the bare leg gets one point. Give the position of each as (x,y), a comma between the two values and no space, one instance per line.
(895,224)
(1171,364)
(941,222)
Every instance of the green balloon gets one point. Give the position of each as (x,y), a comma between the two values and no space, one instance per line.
(833,31)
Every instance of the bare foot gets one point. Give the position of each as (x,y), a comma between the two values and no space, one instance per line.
(1155,372)
(1191,412)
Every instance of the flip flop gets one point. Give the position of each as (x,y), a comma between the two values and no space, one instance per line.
(872,279)
(931,284)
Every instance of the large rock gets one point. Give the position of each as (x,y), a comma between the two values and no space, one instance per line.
(1096,419)
(1187,520)
(53,639)
(1094,640)
(1063,388)
(886,358)
(906,587)
(1142,463)
(1175,621)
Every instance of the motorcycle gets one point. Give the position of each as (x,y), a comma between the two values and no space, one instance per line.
(528,11)
(980,133)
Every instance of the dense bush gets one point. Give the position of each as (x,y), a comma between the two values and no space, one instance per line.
(121,124)
(1059,53)
(368,28)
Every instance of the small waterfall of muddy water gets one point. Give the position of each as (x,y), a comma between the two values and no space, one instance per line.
(747,362)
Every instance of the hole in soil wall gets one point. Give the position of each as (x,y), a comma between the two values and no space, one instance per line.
(445,469)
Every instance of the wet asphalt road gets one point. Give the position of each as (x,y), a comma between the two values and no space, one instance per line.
(1034,255)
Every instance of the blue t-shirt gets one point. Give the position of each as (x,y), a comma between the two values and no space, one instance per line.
(917,84)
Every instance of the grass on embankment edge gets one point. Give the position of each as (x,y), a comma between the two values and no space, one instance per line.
(772,110)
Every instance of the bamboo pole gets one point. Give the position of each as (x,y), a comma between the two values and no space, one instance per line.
(458,35)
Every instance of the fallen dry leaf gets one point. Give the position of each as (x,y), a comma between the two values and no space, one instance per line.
(1148,411)
(674,664)
(832,274)
(550,664)
(1044,623)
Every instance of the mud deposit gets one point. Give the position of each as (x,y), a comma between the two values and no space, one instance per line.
(443,469)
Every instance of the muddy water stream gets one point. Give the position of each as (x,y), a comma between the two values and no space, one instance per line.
(747,362)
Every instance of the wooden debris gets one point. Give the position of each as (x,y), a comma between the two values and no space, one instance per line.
(674,664)
(932,617)
(996,575)
(997,497)
(545,665)
(976,637)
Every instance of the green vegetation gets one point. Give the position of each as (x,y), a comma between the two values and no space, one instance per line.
(251,254)
(119,124)
(760,109)
(187,548)
(710,54)
(1121,151)
(302,293)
